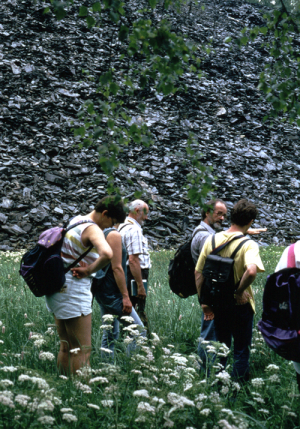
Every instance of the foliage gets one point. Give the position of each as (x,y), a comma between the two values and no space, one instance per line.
(280,79)
(154,57)
(158,386)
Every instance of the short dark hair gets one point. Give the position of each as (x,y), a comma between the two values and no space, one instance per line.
(243,212)
(114,206)
(210,206)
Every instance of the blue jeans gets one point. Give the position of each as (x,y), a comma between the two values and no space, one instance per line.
(114,305)
(208,333)
(236,323)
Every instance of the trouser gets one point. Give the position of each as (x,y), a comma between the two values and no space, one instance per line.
(208,333)
(236,323)
(115,307)
(138,303)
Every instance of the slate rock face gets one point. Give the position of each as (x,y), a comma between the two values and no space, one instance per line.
(45,179)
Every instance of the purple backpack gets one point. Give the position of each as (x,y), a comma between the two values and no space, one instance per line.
(42,267)
(280,323)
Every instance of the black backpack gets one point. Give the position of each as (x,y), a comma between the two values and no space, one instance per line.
(218,287)
(181,270)
(42,267)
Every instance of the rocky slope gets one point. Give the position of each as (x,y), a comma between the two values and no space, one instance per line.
(45,178)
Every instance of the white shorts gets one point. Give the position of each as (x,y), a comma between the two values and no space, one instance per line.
(73,300)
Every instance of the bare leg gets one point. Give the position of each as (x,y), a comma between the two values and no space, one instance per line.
(74,333)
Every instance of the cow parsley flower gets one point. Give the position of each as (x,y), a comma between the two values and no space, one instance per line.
(272,367)
(46,406)
(264,411)
(94,406)
(108,318)
(127,319)
(46,420)
(46,356)
(22,400)
(274,378)
(6,383)
(257,382)
(98,380)
(205,411)
(66,410)
(6,399)
(141,393)
(107,403)
(224,377)
(145,406)
(69,418)
(9,369)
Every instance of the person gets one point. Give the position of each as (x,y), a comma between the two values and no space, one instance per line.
(212,219)
(112,296)
(72,305)
(283,263)
(235,322)
(213,216)
(136,245)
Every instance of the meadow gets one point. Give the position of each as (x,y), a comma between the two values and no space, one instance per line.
(158,386)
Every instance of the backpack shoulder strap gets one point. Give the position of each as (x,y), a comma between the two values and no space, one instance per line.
(238,248)
(125,224)
(291,263)
(222,246)
(86,252)
(198,230)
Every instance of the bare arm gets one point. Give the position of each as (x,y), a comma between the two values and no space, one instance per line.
(93,235)
(115,241)
(256,231)
(135,268)
(241,296)
(208,313)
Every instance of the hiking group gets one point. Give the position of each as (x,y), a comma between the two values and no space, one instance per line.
(106,256)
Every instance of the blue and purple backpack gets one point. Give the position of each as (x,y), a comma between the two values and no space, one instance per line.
(42,267)
(280,322)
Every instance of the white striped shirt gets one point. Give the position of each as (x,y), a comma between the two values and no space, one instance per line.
(135,242)
(72,246)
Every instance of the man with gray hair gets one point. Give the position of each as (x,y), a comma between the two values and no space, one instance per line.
(138,263)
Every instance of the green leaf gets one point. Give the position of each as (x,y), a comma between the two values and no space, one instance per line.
(96,7)
(83,11)
(80,132)
(90,21)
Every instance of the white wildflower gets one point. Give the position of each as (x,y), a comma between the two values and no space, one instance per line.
(155,337)
(66,410)
(179,401)
(166,350)
(224,377)
(6,383)
(84,387)
(290,413)
(1,342)
(236,386)
(272,367)
(27,325)
(141,393)
(264,411)
(127,319)
(46,420)
(257,382)
(69,417)
(40,382)
(105,350)
(259,399)
(285,407)
(108,318)
(225,390)
(75,351)
(6,400)
(187,386)
(145,406)
(107,403)
(46,356)
(22,400)
(136,371)
(63,377)
(98,380)
(46,406)
(9,369)
(274,378)
(39,343)
(94,406)
(227,411)
(205,411)
(146,381)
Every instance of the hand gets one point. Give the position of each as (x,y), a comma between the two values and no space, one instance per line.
(80,272)
(141,293)
(242,298)
(208,313)
(256,231)
(127,306)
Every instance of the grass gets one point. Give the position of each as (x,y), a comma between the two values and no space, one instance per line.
(158,386)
